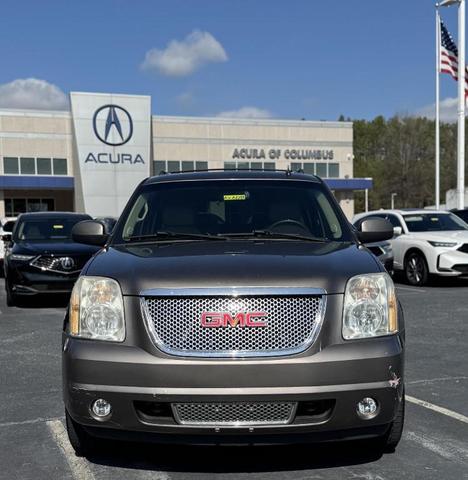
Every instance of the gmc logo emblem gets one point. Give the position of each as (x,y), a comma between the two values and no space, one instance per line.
(225,319)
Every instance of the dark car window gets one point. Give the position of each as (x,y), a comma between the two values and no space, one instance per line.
(394,220)
(463,214)
(434,222)
(46,229)
(231,207)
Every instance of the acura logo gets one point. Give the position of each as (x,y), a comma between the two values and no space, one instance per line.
(67,263)
(113,125)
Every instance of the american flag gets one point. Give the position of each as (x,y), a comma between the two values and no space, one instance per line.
(449,56)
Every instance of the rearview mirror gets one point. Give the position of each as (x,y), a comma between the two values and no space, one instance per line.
(89,232)
(397,231)
(374,230)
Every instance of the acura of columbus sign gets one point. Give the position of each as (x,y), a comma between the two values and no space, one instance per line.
(277,154)
(113,125)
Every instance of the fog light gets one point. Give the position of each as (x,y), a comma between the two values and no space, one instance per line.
(367,407)
(101,408)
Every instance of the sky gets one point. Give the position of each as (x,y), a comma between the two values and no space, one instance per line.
(287,59)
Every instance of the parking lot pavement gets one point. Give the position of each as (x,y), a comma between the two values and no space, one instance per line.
(435,444)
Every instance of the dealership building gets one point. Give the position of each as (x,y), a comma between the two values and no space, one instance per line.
(90,159)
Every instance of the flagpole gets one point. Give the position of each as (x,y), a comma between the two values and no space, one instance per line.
(461,106)
(437,113)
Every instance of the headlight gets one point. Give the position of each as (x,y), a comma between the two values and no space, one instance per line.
(443,244)
(21,258)
(96,309)
(370,307)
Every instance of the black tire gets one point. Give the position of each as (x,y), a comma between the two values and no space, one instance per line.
(393,437)
(82,442)
(416,269)
(11,299)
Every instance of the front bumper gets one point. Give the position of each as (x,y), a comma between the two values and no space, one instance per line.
(128,376)
(452,263)
(26,280)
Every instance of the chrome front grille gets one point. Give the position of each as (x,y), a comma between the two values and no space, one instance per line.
(59,264)
(234,413)
(291,324)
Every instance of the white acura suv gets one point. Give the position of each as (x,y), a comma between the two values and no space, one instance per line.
(426,242)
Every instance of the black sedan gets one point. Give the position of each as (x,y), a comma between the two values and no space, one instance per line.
(42,258)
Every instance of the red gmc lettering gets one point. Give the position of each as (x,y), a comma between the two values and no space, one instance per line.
(225,319)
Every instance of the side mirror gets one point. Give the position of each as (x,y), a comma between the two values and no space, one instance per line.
(375,230)
(397,231)
(6,237)
(89,232)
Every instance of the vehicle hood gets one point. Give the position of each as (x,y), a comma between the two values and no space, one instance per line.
(55,248)
(233,264)
(460,236)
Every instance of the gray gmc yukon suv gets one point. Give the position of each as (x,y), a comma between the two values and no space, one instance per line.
(231,307)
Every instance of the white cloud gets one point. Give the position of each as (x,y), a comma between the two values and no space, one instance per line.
(448,110)
(32,93)
(246,112)
(185,100)
(183,57)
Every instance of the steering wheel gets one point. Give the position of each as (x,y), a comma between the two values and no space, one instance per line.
(288,221)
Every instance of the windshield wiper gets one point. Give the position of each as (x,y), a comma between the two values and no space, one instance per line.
(163,235)
(274,235)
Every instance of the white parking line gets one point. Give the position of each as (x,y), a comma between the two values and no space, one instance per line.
(28,422)
(410,289)
(446,448)
(434,380)
(436,408)
(78,466)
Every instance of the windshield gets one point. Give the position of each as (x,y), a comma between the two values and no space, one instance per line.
(434,222)
(231,209)
(463,214)
(47,229)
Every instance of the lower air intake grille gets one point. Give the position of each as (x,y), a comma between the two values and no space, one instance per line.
(234,413)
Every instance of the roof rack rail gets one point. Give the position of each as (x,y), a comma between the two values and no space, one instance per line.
(287,171)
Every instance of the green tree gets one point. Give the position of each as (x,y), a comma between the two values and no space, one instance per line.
(399,154)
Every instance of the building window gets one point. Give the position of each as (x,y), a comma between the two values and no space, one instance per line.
(173,166)
(187,166)
(34,166)
(27,166)
(296,167)
(334,170)
(60,166)
(249,166)
(230,165)
(10,166)
(256,166)
(321,170)
(324,170)
(159,166)
(201,165)
(16,206)
(44,166)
